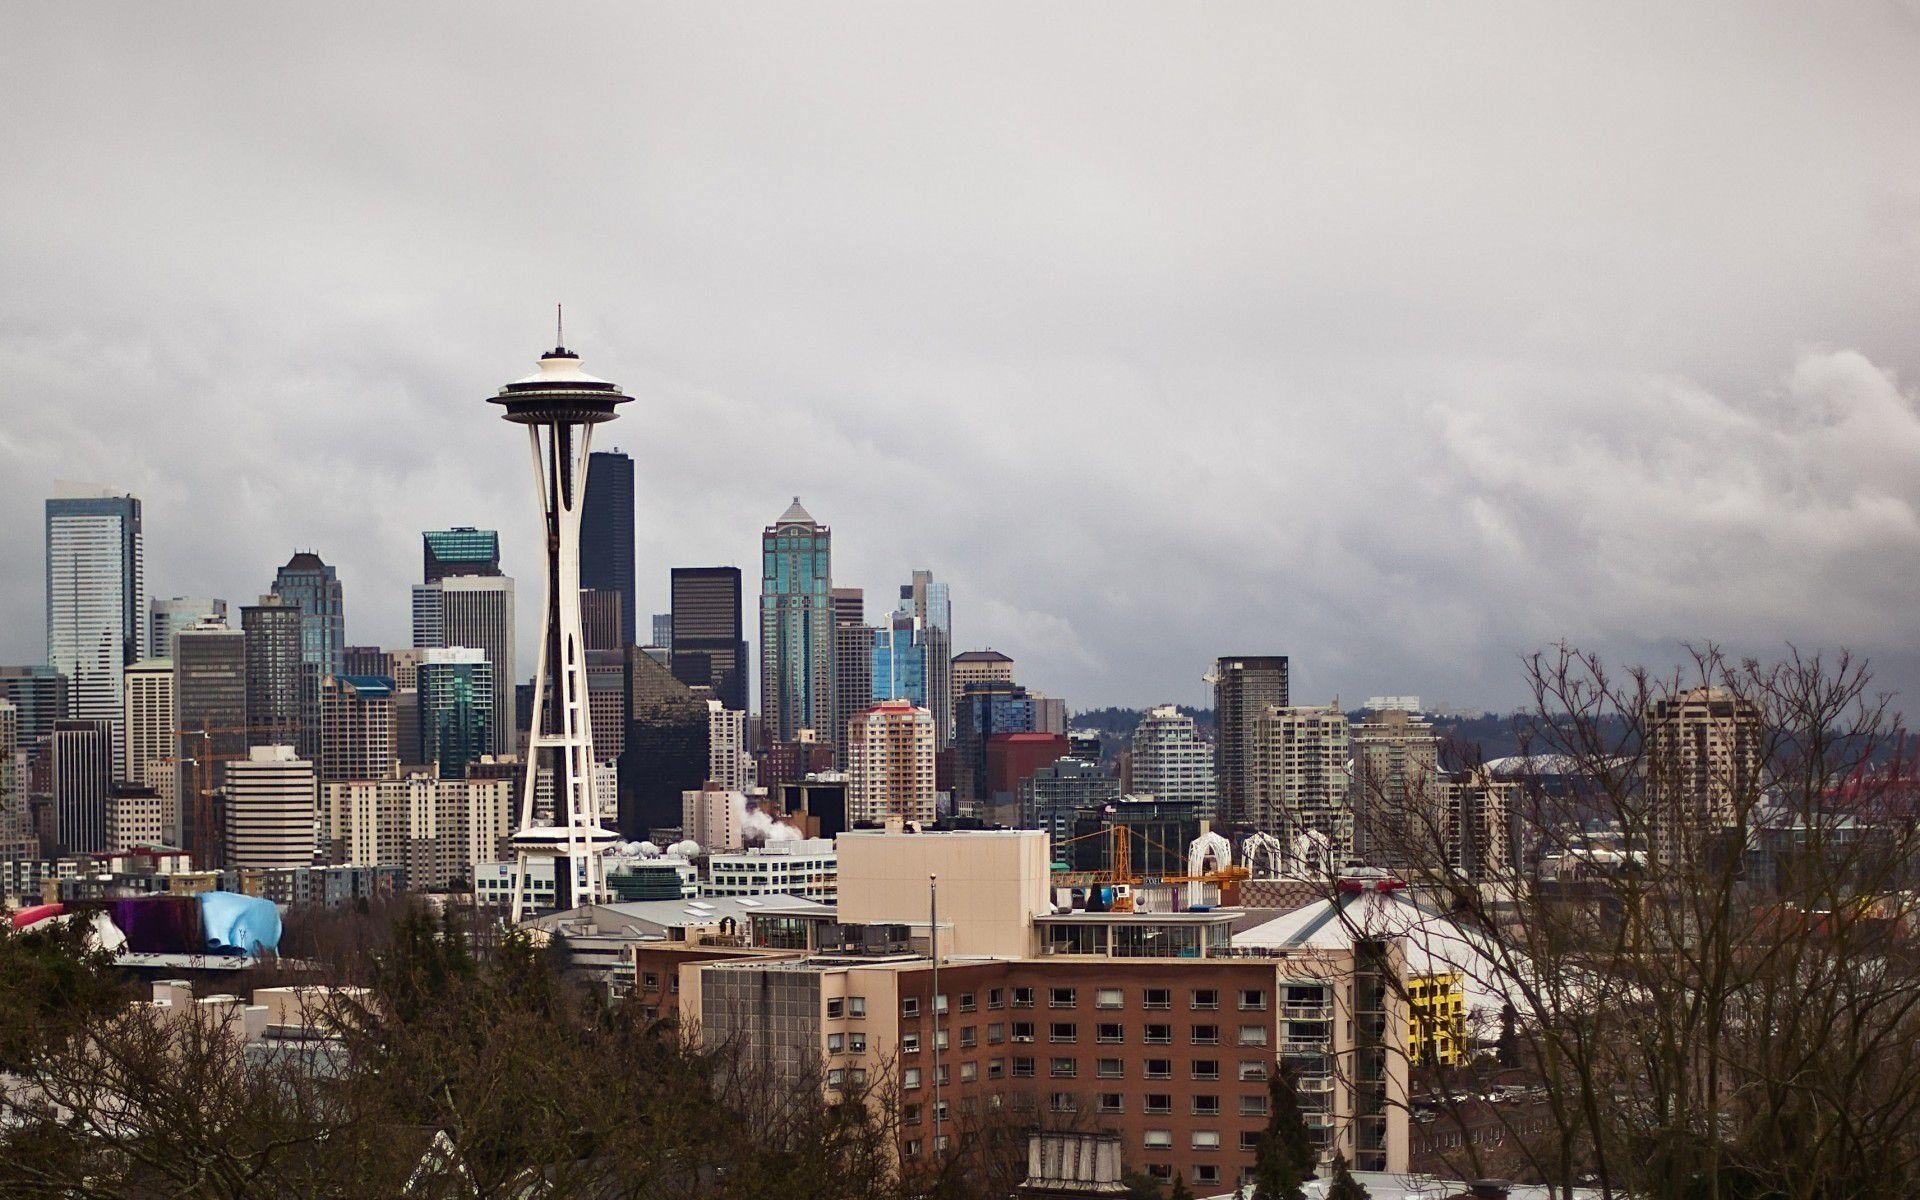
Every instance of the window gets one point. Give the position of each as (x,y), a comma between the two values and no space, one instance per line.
(1206,1106)
(1206,998)
(913,1148)
(857,1043)
(996,1033)
(1110,1068)
(969,1072)
(1110,1031)
(1062,997)
(940,1038)
(996,997)
(1112,1102)
(650,981)
(910,1078)
(1159,1035)
(1063,1031)
(1253,1072)
(1206,1139)
(836,1077)
(940,1076)
(1253,1106)
(1023,997)
(940,1004)
(856,1006)
(910,1007)
(1252,999)
(1159,1068)
(1206,1068)
(1109,998)
(1023,1031)
(1062,1102)
(1206,1035)
(966,1002)
(836,1009)
(1159,997)
(1206,1173)
(836,1043)
(996,1068)
(1253,1035)
(1158,1102)
(909,1043)
(1063,1068)
(968,1038)
(1023,1068)
(910,1114)
(1158,1139)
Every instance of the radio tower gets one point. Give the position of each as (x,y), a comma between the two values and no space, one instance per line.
(560,405)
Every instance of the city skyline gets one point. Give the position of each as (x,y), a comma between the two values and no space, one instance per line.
(1231,275)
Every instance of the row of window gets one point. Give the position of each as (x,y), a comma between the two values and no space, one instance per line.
(1198,999)
(1202,1069)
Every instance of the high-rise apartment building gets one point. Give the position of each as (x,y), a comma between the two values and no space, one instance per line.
(40,697)
(210,727)
(313,587)
(606,535)
(1399,801)
(357,728)
(166,617)
(148,732)
(1704,769)
(728,763)
(1244,688)
(278,675)
(271,802)
(82,769)
(1171,762)
(931,605)
(455,698)
(796,627)
(890,763)
(1301,789)
(705,638)
(16,822)
(462,550)
(96,585)
(435,830)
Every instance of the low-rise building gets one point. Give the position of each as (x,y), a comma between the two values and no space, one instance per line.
(805,867)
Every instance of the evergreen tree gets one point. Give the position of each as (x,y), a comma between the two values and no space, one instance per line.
(1507,1048)
(1285,1156)
(1344,1186)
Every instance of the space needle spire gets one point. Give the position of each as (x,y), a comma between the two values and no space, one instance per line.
(560,404)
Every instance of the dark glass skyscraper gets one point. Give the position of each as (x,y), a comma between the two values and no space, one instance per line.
(796,627)
(1244,688)
(272,638)
(708,649)
(313,587)
(462,550)
(96,599)
(606,533)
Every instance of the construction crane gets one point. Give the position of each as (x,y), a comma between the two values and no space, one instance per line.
(1120,872)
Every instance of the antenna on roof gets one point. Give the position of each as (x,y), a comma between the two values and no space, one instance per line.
(559,326)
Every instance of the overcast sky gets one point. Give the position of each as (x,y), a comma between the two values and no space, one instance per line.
(1398,339)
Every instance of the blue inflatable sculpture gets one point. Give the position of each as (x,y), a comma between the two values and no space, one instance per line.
(236,924)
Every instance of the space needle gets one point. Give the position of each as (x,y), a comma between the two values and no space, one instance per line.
(560,404)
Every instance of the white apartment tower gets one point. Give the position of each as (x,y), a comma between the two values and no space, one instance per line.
(1299,788)
(728,763)
(1399,800)
(149,729)
(1703,770)
(1170,761)
(890,760)
(270,809)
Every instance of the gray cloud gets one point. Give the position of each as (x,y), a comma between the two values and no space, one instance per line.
(1399,342)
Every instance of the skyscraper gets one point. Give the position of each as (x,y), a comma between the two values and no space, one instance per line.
(1171,762)
(40,694)
(455,688)
(358,728)
(1244,688)
(852,664)
(96,585)
(149,736)
(930,603)
(82,783)
(890,763)
(666,751)
(606,534)
(271,800)
(169,616)
(600,619)
(210,724)
(275,671)
(983,710)
(477,612)
(1704,770)
(979,666)
(796,627)
(663,629)
(313,587)
(559,406)
(462,550)
(1399,800)
(706,635)
(1300,788)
